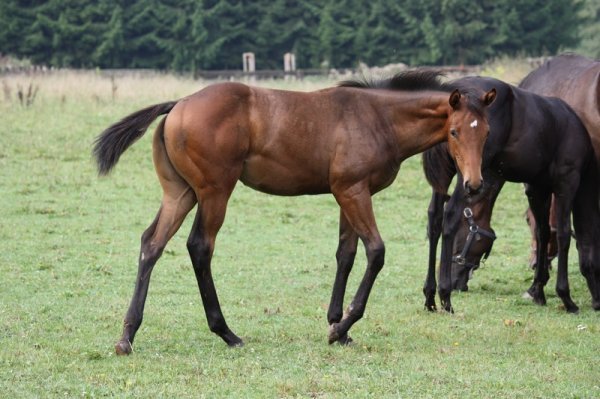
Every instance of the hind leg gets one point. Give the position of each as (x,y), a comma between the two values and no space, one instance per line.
(178,199)
(563,205)
(201,244)
(586,222)
(345,255)
(435,215)
(539,202)
(173,210)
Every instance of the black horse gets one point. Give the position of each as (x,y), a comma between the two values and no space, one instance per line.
(541,142)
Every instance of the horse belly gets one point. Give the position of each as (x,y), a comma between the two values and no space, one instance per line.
(278,178)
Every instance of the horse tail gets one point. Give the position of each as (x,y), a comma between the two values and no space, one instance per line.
(439,167)
(113,142)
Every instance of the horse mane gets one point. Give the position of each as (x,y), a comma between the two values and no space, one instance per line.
(419,79)
(416,80)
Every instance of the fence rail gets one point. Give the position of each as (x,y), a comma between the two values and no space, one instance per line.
(234,74)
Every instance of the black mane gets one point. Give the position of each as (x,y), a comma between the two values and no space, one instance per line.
(419,79)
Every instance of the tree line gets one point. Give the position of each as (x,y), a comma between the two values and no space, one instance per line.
(190,35)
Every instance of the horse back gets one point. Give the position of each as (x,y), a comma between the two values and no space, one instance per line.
(279,142)
(546,134)
(576,80)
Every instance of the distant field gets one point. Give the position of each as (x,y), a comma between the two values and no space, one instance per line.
(69,243)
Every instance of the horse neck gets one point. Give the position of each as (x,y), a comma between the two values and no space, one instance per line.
(421,123)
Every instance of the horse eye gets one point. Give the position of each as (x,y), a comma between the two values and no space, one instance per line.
(453,132)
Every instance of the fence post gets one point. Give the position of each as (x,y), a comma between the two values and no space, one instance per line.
(249,66)
(289,65)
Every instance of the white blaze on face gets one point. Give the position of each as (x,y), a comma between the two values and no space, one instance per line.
(474,123)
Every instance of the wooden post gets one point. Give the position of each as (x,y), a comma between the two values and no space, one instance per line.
(249,66)
(289,65)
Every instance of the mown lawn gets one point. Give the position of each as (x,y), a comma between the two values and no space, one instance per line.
(68,248)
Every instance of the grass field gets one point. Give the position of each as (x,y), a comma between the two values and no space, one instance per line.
(69,243)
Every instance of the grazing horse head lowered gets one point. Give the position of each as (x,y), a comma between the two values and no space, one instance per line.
(348,141)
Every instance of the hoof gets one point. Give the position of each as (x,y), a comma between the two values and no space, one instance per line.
(431,307)
(233,341)
(430,303)
(537,296)
(335,336)
(596,305)
(527,295)
(447,307)
(345,340)
(573,309)
(123,348)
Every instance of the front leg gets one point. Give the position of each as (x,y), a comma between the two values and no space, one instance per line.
(452,214)
(355,203)
(435,216)
(345,255)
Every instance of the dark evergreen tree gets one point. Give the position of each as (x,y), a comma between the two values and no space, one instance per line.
(187,35)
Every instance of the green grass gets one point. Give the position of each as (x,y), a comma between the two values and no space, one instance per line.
(69,243)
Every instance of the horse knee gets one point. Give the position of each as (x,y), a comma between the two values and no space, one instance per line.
(345,256)
(586,268)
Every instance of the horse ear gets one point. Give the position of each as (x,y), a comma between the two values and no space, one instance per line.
(489,97)
(454,99)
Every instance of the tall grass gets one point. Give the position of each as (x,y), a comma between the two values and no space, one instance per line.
(69,243)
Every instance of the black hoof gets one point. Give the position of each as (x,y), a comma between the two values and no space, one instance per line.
(238,344)
(537,296)
(233,341)
(448,307)
(345,340)
(431,307)
(573,309)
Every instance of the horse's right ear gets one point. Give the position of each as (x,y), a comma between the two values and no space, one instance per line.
(454,99)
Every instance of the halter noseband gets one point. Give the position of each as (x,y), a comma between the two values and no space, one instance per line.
(474,230)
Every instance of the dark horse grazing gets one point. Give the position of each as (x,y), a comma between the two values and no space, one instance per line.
(576,80)
(536,140)
(347,141)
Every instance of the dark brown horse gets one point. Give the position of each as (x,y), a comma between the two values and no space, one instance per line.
(576,80)
(539,141)
(348,141)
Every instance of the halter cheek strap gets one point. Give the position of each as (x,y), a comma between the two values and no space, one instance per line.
(474,231)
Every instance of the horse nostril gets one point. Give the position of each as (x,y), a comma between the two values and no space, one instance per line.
(470,190)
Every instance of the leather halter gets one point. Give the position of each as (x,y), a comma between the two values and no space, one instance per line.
(474,231)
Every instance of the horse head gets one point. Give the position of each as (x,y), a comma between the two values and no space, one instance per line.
(468,129)
(474,238)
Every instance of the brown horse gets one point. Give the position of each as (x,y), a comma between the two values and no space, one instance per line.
(346,140)
(576,80)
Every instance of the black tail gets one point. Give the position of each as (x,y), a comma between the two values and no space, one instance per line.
(439,167)
(113,142)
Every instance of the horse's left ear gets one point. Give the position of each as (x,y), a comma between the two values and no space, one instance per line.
(454,99)
(489,97)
